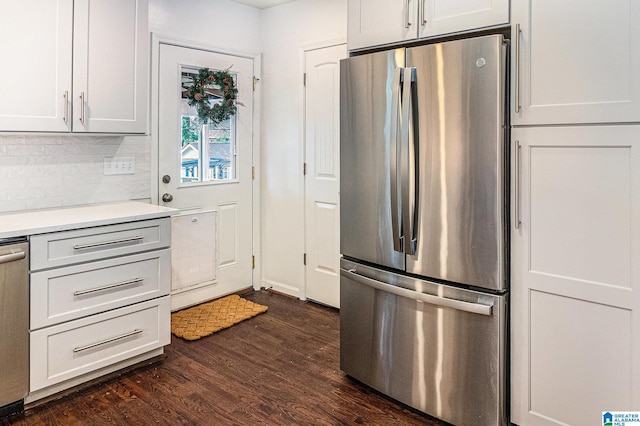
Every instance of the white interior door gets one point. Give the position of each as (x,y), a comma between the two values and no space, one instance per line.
(322,185)
(206,168)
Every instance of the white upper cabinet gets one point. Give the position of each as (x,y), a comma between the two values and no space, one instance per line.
(380,22)
(446,16)
(376,22)
(79,66)
(110,65)
(575,61)
(35,76)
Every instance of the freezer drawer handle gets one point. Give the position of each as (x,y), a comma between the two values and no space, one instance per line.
(104,342)
(107,287)
(6,258)
(474,308)
(108,243)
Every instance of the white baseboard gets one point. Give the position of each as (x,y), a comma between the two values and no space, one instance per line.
(281,287)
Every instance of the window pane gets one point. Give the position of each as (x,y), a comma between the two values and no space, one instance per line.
(214,159)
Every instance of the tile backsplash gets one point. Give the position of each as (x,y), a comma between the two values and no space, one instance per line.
(41,171)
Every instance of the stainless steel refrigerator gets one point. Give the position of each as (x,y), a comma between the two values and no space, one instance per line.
(423,193)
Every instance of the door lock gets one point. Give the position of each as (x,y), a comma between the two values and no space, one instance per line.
(166,179)
(167,198)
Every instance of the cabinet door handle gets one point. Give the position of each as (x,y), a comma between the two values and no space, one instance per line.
(423,13)
(82,107)
(65,111)
(107,287)
(407,22)
(107,243)
(517,184)
(12,257)
(517,82)
(104,342)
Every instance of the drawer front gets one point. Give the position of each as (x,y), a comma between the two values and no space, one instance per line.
(72,292)
(69,350)
(84,245)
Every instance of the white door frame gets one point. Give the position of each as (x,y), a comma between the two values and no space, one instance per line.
(156,40)
(303,93)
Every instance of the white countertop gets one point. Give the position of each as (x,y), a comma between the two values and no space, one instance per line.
(30,222)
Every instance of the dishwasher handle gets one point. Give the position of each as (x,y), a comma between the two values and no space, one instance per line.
(11,257)
(460,305)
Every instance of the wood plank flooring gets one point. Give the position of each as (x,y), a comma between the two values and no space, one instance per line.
(279,368)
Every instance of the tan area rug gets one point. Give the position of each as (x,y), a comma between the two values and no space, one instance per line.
(207,318)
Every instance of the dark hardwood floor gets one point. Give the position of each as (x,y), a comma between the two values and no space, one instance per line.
(279,368)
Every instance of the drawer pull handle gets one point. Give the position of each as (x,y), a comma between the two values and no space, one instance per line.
(107,287)
(6,258)
(108,243)
(104,342)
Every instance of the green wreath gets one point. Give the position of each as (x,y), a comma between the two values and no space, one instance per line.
(212,85)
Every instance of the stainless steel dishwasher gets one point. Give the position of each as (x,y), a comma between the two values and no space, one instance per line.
(14,324)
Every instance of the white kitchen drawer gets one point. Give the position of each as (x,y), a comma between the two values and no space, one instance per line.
(72,292)
(83,245)
(69,350)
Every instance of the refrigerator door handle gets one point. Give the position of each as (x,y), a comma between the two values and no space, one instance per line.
(408,160)
(460,305)
(394,157)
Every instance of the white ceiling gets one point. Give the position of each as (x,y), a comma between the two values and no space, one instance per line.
(262,4)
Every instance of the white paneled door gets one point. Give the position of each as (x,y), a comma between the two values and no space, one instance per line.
(207,167)
(322,166)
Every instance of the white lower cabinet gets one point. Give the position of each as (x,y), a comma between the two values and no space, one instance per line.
(575,332)
(83,245)
(68,350)
(99,301)
(81,290)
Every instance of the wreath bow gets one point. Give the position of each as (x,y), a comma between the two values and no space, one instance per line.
(208,85)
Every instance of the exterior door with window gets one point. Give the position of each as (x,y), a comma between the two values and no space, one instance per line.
(205,170)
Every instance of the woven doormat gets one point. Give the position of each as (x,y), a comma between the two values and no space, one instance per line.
(207,318)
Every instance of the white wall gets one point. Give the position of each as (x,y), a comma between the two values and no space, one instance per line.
(286,31)
(219,23)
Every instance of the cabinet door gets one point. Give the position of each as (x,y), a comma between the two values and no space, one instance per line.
(578,62)
(377,22)
(110,66)
(35,76)
(576,286)
(445,16)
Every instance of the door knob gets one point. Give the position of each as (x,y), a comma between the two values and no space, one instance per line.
(166,179)
(167,198)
